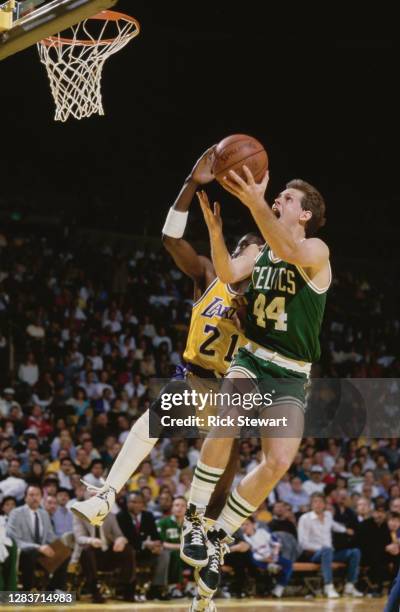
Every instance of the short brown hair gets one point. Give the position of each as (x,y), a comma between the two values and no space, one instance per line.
(313,201)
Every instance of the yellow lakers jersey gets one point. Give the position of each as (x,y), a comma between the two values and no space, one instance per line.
(213,337)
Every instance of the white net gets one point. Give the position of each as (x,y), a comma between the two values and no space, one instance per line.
(74,65)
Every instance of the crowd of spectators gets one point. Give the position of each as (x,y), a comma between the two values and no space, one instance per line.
(83,331)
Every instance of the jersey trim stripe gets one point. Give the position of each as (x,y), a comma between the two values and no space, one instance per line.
(210,286)
(260,253)
(242,370)
(313,286)
(232,291)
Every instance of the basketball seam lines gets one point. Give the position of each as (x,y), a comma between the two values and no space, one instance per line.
(229,167)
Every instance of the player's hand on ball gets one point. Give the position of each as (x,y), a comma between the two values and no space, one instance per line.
(211,217)
(250,193)
(202,170)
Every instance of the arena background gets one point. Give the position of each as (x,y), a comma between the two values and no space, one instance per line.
(317,90)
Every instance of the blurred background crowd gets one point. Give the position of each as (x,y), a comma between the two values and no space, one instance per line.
(83,331)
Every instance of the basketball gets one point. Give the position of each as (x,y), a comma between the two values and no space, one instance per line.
(235,151)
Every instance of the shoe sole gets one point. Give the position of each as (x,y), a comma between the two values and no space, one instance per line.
(192,562)
(82,516)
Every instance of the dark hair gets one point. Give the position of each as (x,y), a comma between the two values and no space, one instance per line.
(64,490)
(394,515)
(6,499)
(313,201)
(95,462)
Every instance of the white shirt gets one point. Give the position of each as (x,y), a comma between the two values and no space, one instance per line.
(28,373)
(13,486)
(260,543)
(310,487)
(313,533)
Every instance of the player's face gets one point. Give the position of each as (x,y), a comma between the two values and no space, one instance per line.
(287,206)
(243,245)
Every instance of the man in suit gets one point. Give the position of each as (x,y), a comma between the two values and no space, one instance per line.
(139,528)
(30,527)
(105,548)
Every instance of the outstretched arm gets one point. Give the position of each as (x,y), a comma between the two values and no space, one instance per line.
(191,263)
(310,253)
(228,270)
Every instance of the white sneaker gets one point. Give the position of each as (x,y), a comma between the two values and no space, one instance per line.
(95,509)
(330,591)
(202,604)
(278,590)
(351,591)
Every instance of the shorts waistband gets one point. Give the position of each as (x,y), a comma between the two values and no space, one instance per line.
(302,367)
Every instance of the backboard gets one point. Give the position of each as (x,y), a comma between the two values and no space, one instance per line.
(23,24)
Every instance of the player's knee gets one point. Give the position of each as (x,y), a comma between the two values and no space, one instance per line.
(278,463)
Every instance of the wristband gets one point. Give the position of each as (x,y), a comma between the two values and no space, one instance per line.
(175,223)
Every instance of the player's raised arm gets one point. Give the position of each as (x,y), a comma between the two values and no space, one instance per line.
(191,263)
(228,269)
(311,253)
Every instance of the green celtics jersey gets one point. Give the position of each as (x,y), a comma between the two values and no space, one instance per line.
(169,530)
(285,309)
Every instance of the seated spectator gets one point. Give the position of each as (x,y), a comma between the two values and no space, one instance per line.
(139,528)
(393,549)
(36,473)
(345,515)
(146,472)
(315,484)
(372,537)
(105,548)
(28,371)
(8,549)
(65,472)
(30,527)
(283,519)
(8,503)
(369,481)
(95,476)
(265,552)
(168,573)
(315,537)
(82,462)
(297,497)
(62,518)
(356,478)
(240,560)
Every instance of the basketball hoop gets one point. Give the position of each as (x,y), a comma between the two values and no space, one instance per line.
(74,64)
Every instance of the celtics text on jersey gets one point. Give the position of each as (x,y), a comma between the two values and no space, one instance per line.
(285,309)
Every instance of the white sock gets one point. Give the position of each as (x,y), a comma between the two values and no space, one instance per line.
(204,482)
(135,448)
(234,513)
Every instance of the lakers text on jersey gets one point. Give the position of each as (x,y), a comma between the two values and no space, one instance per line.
(214,337)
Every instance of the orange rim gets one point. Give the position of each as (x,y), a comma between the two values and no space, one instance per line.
(103,16)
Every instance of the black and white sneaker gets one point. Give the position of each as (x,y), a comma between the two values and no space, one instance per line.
(208,577)
(194,539)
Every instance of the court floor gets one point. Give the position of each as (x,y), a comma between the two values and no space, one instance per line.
(232,605)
